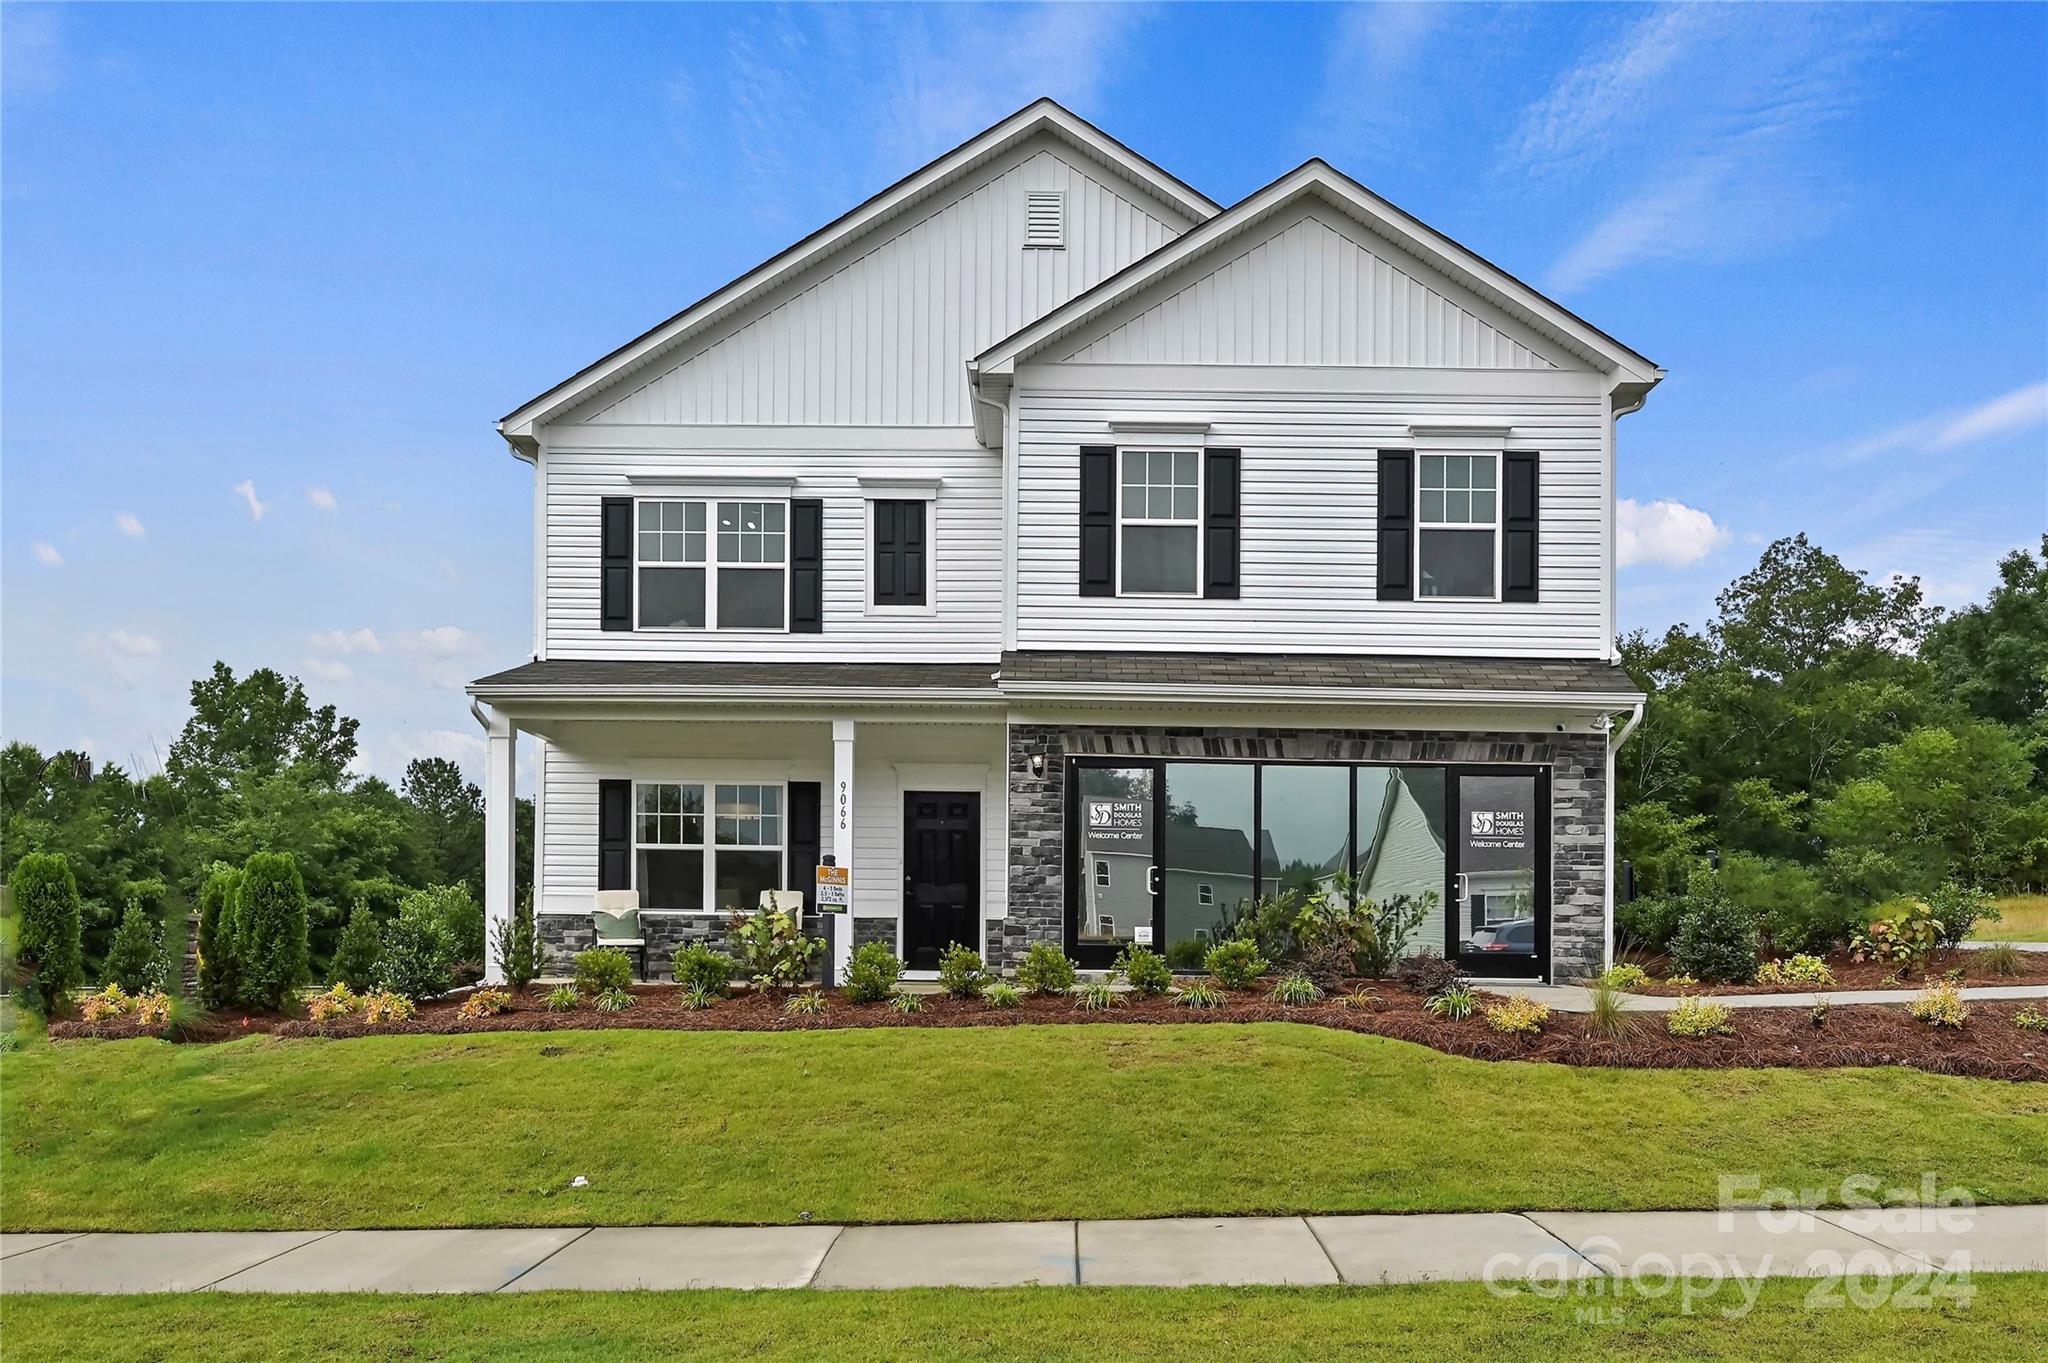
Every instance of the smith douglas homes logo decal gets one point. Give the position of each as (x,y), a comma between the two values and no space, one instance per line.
(1499,827)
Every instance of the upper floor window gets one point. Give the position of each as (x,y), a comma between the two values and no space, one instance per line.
(1457,550)
(712,565)
(1159,514)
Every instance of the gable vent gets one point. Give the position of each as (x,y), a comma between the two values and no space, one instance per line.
(1045,219)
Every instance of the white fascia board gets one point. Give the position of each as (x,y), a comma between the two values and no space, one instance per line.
(1320,696)
(522,423)
(911,487)
(1439,252)
(751,694)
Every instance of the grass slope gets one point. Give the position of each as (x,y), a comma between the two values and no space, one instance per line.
(1425,1323)
(962,1124)
(2022,918)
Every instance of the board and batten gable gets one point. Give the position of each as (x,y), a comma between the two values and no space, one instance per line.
(877,334)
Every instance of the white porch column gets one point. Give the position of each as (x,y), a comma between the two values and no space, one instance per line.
(841,816)
(501,840)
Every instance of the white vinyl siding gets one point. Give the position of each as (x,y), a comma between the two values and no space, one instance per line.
(879,334)
(1308,510)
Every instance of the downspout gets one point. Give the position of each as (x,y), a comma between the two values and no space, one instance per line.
(1614,742)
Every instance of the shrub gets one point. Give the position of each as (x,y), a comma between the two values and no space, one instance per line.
(1235,964)
(1145,970)
(1002,996)
(1186,954)
(1680,980)
(1517,1016)
(272,936)
(2002,960)
(1902,933)
(1810,971)
(2031,1019)
(1332,932)
(412,958)
(1362,1000)
(695,1000)
(484,1003)
(1198,995)
(1625,975)
(613,1001)
(1045,970)
(602,969)
(1097,996)
(339,1001)
(805,1003)
(872,974)
(1788,903)
(1817,1016)
(220,976)
(153,1009)
(961,974)
(135,961)
(385,1006)
(1716,938)
(1607,1017)
(358,950)
(907,1004)
(1429,975)
(698,967)
(1295,988)
(1268,924)
(1957,910)
(563,998)
(1697,1017)
(1941,1005)
(461,919)
(111,1002)
(518,948)
(773,950)
(1649,922)
(1375,932)
(48,947)
(1453,1003)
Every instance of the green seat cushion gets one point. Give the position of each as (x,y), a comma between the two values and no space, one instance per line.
(617,927)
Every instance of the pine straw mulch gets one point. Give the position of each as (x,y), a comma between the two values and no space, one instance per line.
(2033,969)
(1991,1046)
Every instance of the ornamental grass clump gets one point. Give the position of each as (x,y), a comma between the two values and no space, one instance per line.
(1296,989)
(1001,996)
(614,1001)
(1607,1017)
(805,1003)
(563,998)
(1697,1017)
(1198,995)
(908,1004)
(2001,961)
(1453,1003)
(1097,996)
(1517,1016)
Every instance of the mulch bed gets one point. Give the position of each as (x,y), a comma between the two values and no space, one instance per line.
(1991,1046)
(1869,974)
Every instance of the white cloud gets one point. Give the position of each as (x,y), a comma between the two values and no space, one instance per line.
(47,555)
(246,490)
(129,525)
(32,56)
(132,645)
(1957,565)
(1666,532)
(2020,410)
(466,750)
(1368,106)
(321,497)
(327,670)
(347,641)
(442,641)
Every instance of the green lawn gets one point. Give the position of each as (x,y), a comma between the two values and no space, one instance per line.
(2022,918)
(1462,1322)
(940,1124)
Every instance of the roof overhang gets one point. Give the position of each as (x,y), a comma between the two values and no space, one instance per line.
(520,427)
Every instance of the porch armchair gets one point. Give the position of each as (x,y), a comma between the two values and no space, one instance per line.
(616,915)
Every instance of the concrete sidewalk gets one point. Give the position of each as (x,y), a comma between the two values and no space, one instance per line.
(1574,998)
(1326,1250)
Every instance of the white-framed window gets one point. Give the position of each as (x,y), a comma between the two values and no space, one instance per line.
(707,847)
(1159,522)
(1457,526)
(1101,874)
(1205,895)
(711,565)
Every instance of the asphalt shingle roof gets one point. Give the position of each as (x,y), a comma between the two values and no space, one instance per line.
(1368,671)
(576,674)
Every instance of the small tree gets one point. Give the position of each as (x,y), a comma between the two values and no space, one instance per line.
(358,951)
(273,930)
(135,960)
(518,947)
(46,895)
(220,976)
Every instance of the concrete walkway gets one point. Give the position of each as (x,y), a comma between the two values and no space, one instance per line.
(1573,998)
(1326,1250)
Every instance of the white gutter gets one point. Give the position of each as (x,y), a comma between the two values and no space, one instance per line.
(1319,695)
(1614,742)
(795,695)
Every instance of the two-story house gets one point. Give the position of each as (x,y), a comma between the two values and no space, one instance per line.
(1076,560)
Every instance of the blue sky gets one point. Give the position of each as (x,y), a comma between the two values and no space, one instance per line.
(271,273)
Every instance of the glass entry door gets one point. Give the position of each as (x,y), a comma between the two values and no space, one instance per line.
(1117,840)
(1500,872)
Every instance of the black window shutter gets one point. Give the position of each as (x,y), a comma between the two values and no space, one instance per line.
(804,845)
(615,563)
(806,566)
(1098,520)
(1397,525)
(614,835)
(1518,530)
(899,553)
(1219,524)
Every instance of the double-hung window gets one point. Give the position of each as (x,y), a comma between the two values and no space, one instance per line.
(713,565)
(693,859)
(1457,541)
(1159,523)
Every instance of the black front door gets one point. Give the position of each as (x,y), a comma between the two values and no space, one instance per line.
(941,899)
